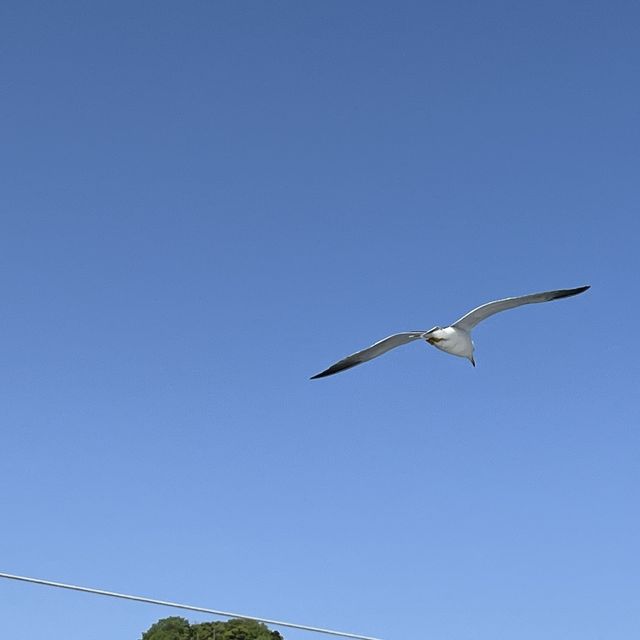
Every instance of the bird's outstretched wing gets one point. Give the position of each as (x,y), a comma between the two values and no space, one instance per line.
(471,319)
(371,352)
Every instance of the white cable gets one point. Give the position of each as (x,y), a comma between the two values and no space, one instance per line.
(175,605)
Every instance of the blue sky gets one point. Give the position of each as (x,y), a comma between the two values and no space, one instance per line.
(203,204)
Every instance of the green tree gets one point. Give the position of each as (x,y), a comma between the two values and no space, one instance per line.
(176,628)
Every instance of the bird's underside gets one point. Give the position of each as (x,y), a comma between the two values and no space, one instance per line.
(454,339)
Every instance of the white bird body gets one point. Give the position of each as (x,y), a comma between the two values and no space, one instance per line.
(454,339)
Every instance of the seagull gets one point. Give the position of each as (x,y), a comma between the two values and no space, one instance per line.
(454,339)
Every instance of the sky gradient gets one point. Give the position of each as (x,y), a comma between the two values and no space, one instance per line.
(205,203)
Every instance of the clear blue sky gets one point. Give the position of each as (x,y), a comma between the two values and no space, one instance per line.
(204,203)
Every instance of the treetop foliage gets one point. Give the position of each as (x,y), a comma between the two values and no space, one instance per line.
(176,628)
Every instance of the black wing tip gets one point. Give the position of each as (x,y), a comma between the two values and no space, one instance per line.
(565,293)
(336,368)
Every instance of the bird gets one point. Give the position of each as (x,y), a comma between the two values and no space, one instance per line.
(454,339)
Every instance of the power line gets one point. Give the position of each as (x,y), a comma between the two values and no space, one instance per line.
(175,605)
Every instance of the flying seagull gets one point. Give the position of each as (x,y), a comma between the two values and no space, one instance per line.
(454,339)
